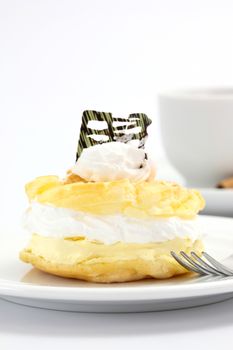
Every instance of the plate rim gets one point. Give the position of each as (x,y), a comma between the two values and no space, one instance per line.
(138,293)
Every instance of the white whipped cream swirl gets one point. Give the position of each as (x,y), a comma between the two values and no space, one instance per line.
(113,161)
(50,221)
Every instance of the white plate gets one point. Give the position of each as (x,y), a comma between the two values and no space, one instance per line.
(218,201)
(22,284)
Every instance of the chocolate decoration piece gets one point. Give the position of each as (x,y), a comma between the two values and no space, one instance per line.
(90,136)
(226,183)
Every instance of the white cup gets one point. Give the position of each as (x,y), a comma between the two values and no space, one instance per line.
(197,133)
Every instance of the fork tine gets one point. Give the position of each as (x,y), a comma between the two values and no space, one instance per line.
(207,266)
(183,263)
(225,270)
(195,264)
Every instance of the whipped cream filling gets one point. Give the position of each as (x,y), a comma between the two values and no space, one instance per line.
(50,221)
(112,161)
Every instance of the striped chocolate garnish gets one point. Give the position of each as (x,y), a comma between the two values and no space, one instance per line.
(99,127)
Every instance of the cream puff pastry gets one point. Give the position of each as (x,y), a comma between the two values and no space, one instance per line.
(109,220)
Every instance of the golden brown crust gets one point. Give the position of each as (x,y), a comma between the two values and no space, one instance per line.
(125,262)
(72,178)
(143,199)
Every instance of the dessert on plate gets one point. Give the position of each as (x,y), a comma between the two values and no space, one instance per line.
(110,220)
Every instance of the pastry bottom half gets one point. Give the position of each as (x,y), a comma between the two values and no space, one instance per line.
(97,262)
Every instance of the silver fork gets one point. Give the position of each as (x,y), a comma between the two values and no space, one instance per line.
(197,264)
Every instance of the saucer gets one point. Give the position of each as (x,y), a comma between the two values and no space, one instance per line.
(218,201)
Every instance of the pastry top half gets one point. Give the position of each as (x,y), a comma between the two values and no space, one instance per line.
(135,199)
(110,195)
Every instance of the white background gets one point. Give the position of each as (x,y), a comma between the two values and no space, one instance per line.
(60,57)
